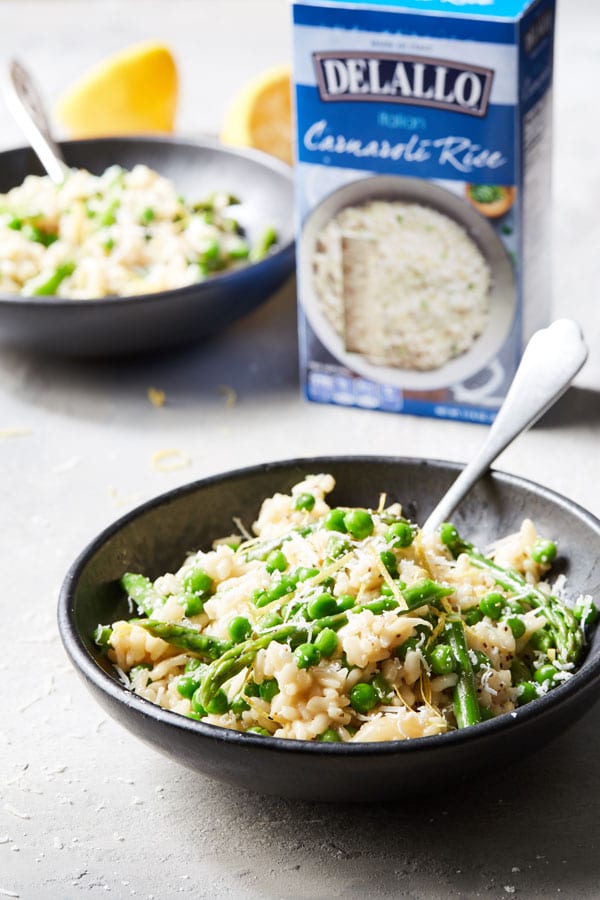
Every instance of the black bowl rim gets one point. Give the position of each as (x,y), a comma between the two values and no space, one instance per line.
(226,278)
(92,672)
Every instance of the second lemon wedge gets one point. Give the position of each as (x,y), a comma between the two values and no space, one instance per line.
(132,92)
(260,115)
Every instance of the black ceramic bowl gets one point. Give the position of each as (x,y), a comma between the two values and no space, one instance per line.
(119,325)
(155,538)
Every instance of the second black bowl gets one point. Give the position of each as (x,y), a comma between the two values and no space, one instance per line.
(117,325)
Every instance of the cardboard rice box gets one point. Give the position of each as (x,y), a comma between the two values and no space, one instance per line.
(422,183)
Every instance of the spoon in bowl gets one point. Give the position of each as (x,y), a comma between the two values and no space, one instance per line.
(552,358)
(25,104)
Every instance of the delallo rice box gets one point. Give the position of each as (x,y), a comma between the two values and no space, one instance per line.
(422,183)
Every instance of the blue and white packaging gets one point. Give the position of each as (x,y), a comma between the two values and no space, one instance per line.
(423,168)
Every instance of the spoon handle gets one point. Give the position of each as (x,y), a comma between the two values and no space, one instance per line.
(25,104)
(551,360)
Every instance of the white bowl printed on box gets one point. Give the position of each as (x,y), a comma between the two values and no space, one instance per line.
(502,298)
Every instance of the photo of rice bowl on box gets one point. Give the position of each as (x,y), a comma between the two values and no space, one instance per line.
(401,283)
(405,283)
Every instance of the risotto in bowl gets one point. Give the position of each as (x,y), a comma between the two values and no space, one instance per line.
(148,243)
(307,639)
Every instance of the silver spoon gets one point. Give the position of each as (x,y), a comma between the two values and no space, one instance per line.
(25,104)
(552,358)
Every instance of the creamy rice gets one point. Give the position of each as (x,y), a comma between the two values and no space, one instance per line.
(117,234)
(344,624)
(401,283)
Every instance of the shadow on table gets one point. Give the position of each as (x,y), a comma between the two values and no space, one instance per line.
(579,406)
(531,827)
(256,356)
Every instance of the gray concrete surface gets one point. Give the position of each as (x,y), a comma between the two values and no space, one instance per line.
(85,809)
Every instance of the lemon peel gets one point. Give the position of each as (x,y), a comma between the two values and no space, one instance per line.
(131,92)
(260,115)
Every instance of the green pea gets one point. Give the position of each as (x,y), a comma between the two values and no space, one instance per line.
(519,671)
(260,598)
(193,604)
(192,664)
(515,607)
(322,605)
(441,660)
(363,697)
(481,660)
(543,552)
(210,254)
(410,644)
(195,715)
(449,536)
(109,217)
(218,704)
(492,605)
(276,562)
(541,640)
(546,672)
(517,626)
(326,642)
(15,224)
(198,582)
(359,523)
(252,689)
(345,602)
(334,521)
(239,706)
(187,685)
(278,590)
(304,501)
(148,215)
(303,573)
(382,688)
(256,729)
(271,620)
(337,546)
(307,655)
(400,534)
(268,689)
(239,629)
(329,736)
(327,584)
(473,616)
(390,562)
(526,692)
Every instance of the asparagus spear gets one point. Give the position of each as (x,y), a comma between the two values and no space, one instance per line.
(561,621)
(466,704)
(141,590)
(204,645)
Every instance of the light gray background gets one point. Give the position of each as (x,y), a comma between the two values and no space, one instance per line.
(87,810)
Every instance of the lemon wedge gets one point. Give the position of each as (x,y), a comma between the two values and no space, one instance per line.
(132,92)
(260,115)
